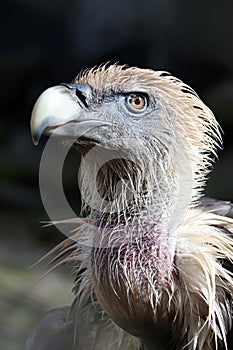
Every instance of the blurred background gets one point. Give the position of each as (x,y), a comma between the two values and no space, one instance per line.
(44,43)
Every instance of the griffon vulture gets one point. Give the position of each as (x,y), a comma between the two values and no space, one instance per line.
(152,256)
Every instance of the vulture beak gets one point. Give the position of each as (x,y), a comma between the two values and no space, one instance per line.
(63,111)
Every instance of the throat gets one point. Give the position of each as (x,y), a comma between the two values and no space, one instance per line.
(136,242)
(133,266)
(133,251)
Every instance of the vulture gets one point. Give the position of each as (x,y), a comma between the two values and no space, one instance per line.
(152,256)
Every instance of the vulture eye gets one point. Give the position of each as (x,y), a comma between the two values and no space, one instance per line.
(136,102)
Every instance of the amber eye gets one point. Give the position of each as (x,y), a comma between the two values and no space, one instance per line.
(136,102)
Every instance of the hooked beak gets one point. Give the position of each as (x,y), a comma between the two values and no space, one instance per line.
(63,111)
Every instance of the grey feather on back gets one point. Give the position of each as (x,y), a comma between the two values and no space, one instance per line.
(54,331)
(222,208)
(87,328)
(219,207)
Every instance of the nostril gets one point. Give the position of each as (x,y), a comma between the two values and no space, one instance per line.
(81,97)
(82,91)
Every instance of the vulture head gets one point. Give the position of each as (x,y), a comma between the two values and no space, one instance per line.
(155,265)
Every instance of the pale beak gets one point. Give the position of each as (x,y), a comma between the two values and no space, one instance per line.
(63,111)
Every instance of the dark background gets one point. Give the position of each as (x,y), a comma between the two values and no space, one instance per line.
(46,42)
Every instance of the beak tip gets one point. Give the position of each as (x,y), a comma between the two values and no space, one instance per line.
(35,134)
(35,140)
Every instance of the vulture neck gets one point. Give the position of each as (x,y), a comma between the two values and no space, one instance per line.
(145,186)
(132,257)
